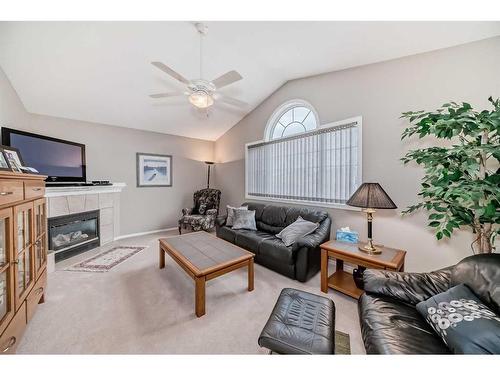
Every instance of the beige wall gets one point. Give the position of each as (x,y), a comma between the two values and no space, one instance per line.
(111,154)
(379,93)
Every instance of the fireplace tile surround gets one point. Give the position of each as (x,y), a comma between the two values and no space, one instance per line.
(72,200)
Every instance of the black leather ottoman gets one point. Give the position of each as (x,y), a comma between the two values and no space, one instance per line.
(301,323)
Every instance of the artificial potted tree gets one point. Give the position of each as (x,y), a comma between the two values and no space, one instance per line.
(461,185)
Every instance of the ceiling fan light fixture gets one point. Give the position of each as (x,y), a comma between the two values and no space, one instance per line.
(201,99)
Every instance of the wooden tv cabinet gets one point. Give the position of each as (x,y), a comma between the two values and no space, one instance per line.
(23,253)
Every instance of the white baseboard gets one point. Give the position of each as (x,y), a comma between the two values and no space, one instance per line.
(143,233)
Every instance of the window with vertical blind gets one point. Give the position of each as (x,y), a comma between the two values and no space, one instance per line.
(320,166)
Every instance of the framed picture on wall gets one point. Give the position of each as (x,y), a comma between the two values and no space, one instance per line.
(154,170)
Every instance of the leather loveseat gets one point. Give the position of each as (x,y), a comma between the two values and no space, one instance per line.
(300,261)
(390,323)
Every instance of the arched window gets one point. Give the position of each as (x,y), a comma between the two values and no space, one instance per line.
(293,117)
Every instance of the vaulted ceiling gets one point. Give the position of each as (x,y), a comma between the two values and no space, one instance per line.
(101,72)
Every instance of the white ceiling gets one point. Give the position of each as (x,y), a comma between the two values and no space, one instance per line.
(101,72)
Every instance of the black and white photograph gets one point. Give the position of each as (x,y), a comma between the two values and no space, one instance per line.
(14,158)
(154,170)
(4,165)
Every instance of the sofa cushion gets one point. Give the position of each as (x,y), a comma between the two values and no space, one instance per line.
(276,250)
(227,233)
(250,240)
(230,214)
(244,219)
(308,214)
(392,327)
(481,273)
(257,207)
(269,228)
(296,230)
(274,215)
(463,322)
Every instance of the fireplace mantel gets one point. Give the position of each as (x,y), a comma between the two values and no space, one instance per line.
(54,191)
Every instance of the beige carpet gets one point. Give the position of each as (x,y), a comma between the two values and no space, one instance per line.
(138,308)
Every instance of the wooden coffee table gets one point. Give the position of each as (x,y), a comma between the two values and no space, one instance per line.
(205,257)
(389,259)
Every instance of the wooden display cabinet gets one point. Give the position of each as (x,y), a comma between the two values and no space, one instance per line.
(23,253)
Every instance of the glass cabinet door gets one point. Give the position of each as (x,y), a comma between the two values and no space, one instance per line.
(23,249)
(6,302)
(40,236)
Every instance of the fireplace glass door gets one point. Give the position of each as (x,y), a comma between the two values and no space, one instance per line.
(73,233)
(6,303)
(23,249)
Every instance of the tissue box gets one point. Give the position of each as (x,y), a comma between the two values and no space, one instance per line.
(347,236)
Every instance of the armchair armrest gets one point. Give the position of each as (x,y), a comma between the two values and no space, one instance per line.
(186,211)
(316,238)
(220,220)
(407,287)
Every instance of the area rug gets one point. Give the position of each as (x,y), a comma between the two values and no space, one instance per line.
(342,343)
(106,260)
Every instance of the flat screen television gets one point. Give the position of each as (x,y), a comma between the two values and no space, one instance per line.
(60,160)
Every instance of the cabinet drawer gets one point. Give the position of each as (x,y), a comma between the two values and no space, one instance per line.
(34,189)
(35,295)
(11,191)
(12,335)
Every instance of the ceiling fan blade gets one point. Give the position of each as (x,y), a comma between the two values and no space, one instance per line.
(231,100)
(170,72)
(166,95)
(227,79)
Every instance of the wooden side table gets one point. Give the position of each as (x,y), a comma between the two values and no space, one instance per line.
(389,259)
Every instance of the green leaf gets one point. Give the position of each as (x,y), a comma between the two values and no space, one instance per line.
(436,216)
(434,224)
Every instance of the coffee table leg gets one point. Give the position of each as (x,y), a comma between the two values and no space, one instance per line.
(324,271)
(200,296)
(162,258)
(250,275)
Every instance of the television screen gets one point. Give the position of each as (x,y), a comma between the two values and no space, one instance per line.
(60,160)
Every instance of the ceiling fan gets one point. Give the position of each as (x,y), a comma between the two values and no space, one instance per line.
(200,92)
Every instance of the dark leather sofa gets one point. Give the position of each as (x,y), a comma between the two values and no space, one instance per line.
(390,323)
(300,261)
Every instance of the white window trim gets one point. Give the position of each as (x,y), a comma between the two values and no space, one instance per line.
(278,112)
(359,120)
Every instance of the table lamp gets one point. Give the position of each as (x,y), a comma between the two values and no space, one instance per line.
(370,196)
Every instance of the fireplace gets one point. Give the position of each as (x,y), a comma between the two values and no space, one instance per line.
(73,234)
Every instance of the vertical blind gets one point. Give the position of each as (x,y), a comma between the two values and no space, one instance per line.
(317,166)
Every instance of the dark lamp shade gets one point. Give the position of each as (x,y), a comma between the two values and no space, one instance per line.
(371,195)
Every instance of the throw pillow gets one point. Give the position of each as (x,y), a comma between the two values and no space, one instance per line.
(230,214)
(296,230)
(202,209)
(464,323)
(244,219)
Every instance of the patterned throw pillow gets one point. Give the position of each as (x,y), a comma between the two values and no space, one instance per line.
(244,219)
(202,209)
(298,229)
(464,323)
(230,214)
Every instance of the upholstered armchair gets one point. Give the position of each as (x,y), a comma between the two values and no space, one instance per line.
(202,215)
